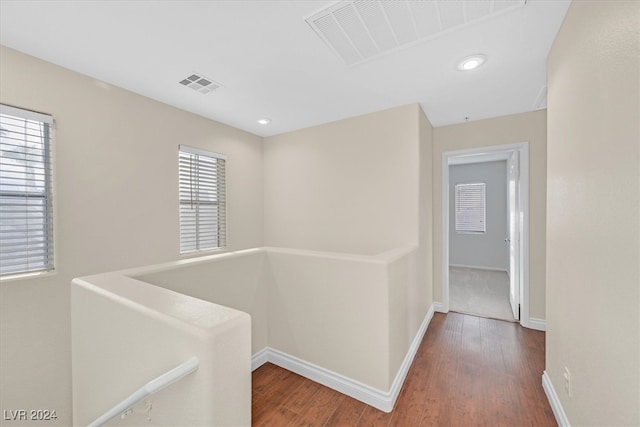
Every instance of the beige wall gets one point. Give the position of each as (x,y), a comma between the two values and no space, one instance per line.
(309,304)
(116,191)
(347,186)
(317,313)
(406,307)
(126,333)
(593,219)
(526,127)
(234,281)
(361,185)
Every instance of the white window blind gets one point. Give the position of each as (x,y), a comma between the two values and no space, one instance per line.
(26,213)
(202,200)
(470,208)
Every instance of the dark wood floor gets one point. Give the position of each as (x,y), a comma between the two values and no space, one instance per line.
(468,371)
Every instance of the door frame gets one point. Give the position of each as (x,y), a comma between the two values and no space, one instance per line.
(485,154)
(514,204)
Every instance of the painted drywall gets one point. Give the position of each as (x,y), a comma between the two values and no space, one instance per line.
(526,127)
(314,313)
(126,333)
(348,186)
(406,310)
(317,322)
(410,276)
(593,213)
(308,304)
(425,214)
(361,185)
(116,192)
(232,281)
(481,250)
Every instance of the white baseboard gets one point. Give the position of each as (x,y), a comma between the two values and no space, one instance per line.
(345,385)
(533,323)
(439,307)
(398,381)
(379,399)
(552,397)
(475,267)
(259,359)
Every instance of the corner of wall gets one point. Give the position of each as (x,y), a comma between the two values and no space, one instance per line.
(425,263)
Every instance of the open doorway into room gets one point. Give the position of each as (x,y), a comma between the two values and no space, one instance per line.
(485,231)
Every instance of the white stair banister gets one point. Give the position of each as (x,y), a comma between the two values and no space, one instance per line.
(147,390)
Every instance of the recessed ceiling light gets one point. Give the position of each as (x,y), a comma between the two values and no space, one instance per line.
(471,62)
(264,121)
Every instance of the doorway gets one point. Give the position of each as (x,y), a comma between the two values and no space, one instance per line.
(516,237)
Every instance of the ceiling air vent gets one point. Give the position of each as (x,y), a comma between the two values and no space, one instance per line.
(358,30)
(199,83)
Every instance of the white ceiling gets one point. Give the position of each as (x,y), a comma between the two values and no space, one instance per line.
(270,62)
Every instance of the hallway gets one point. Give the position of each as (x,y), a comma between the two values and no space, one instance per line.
(468,371)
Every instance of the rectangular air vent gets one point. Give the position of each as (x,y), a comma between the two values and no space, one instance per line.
(358,30)
(199,83)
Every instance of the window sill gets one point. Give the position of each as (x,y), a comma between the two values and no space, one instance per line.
(25,276)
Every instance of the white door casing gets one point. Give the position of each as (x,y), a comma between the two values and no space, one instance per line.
(521,256)
(513,237)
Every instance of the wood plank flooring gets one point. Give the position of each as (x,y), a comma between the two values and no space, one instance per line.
(468,371)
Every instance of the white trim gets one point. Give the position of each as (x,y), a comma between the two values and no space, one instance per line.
(439,308)
(554,401)
(372,396)
(534,323)
(355,389)
(483,154)
(445,232)
(201,152)
(478,156)
(259,359)
(26,114)
(398,381)
(477,267)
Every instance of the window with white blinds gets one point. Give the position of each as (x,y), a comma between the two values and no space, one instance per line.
(470,206)
(26,212)
(202,200)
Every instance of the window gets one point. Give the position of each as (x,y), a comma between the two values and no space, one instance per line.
(470,208)
(26,213)
(202,200)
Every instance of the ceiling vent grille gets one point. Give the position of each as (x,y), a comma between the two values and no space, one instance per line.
(199,83)
(358,30)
